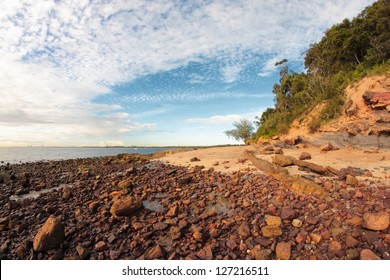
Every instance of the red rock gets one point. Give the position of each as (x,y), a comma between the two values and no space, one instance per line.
(300,238)
(101,246)
(334,246)
(283,251)
(354,221)
(160,226)
(155,253)
(175,233)
(328,147)
(173,211)
(257,254)
(231,244)
(50,236)
(367,254)
(205,254)
(82,252)
(244,231)
(376,221)
(305,156)
(351,180)
(273,221)
(358,194)
(288,213)
(271,231)
(351,242)
(126,206)
(198,236)
(312,220)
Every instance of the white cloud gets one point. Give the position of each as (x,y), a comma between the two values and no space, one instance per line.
(224,119)
(59,56)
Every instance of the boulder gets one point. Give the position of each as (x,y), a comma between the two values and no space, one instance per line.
(376,221)
(50,235)
(126,206)
(283,160)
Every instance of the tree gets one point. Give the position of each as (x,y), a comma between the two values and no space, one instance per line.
(243,131)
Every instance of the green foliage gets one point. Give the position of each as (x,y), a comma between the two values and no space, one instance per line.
(348,51)
(243,131)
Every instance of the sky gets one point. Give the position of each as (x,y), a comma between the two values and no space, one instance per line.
(148,73)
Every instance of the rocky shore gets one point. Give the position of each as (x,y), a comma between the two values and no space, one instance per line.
(129,207)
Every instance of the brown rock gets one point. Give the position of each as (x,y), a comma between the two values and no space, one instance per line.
(82,252)
(354,221)
(376,221)
(351,180)
(198,236)
(175,233)
(231,244)
(257,254)
(315,238)
(273,221)
(126,206)
(337,231)
(94,205)
(334,246)
(194,159)
(283,251)
(297,223)
(173,211)
(205,254)
(244,231)
(50,236)
(282,160)
(304,156)
(328,147)
(312,220)
(367,254)
(288,213)
(278,151)
(352,254)
(300,238)
(66,192)
(351,242)
(124,184)
(160,226)
(271,231)
(155,253)
(101,246)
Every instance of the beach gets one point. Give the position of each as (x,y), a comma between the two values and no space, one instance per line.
(203,204)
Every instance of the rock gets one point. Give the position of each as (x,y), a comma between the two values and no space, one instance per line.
(194,159)
(271,231)
(66,192)
(304,156)
(352,254)
(94,205)
(101,246)
(205,254)
(358,194)
(50,235)
(376,221)
(198,236)
(124,184)
(297,223)
(160,226)
(283,251)
(367,254)
(244,231)
(126,206)
(315,238)
(173,211)
(337,231)
(351,180)
(351,242)
(257,254)
(278,151)
(273,221)
(292,141)
(175,233)
(334,246)
(288,213)
(354,221)
(328,147)
(155,253)
(231,244)
(82,252)
(282,160)
(312,220)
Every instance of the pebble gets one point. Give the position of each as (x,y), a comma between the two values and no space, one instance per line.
(273,221)
(367,254)
(297,223)
(283,251)
(376,221)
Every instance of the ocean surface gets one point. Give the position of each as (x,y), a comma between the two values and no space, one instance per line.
(33,154)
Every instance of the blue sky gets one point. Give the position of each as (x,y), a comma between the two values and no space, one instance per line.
(147,72)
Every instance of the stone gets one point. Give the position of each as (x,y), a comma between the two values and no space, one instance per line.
(231,244)
(367,254)
(282,160)
(354,221)
(352,254)
(315,238)
(273,221)
(288,213)
(50,235)
(205,254)
(160,226)
(175,233)
(351,180)
(297,223)
(376,221)
(82,252)
(337,231)
(173,211)
(244,231)
(66,192)
(155,253)
(278,151)
(127,206)
(94,205)
(215,163)
(351,242)
(305,156)
(101,246)
(334,246)
(283,251)
(312,220)
(257,254)
(194,159)
(198,236)
(328,147)
(124,184)
(271,231)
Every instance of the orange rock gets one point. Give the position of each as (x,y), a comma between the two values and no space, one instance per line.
(367,254)
(273,221)
(271,231)
(334,246)
(354,221)
(376,221)
(283,251)
(50,236)
(125,206)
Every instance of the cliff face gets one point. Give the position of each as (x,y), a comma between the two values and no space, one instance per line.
(365,119)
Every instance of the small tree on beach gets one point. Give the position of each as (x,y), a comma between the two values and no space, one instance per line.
(243,130)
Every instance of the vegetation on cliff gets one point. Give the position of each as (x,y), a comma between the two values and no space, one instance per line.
(347,52)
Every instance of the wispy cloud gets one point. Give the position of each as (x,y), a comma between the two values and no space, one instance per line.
(223,119)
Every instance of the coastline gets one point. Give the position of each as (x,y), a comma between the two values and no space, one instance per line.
(185,212)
